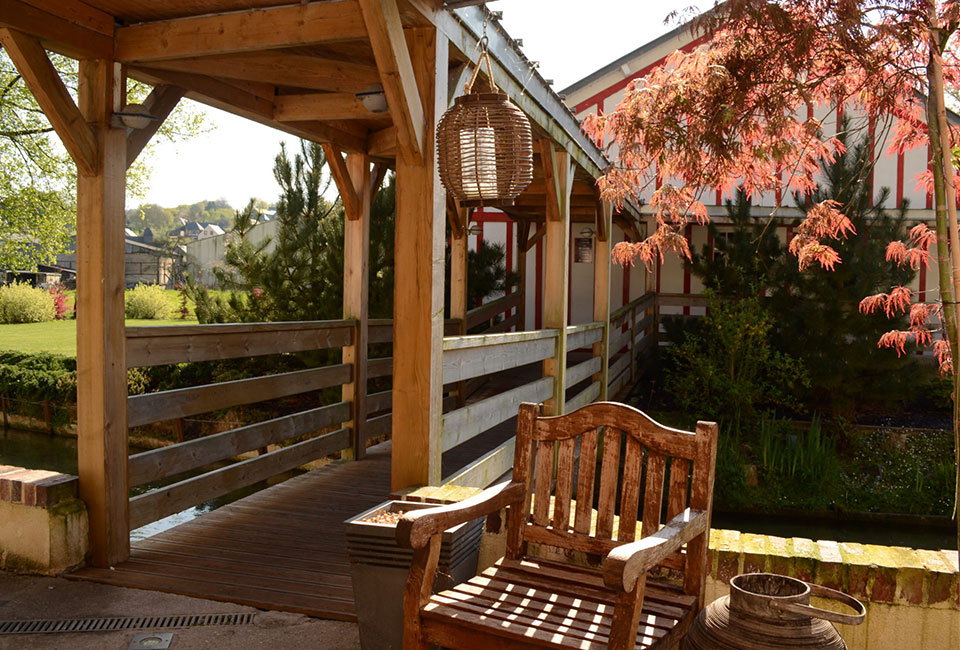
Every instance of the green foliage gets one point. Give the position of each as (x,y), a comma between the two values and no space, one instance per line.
(815,312)
(486,273)
(788,455)
(147,301)
(38,178)
(162,220)
(21,303)
(37,377)
(727,370)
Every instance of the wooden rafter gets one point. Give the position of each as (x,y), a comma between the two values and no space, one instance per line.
(389,45)
(341,176)
(280,69)
(161,101)
(321,106)
(52,96)
(69,27)
(243,31)
(228,97)
(628,226)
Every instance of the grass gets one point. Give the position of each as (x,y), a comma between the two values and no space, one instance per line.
(59,336)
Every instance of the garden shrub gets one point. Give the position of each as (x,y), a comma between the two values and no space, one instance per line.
(727,370)
(21,303)
(59,294)
(148,301)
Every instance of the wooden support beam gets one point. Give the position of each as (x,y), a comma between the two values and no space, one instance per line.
(555,288)
(418,286)
(389,45)
(383,142)
(458,278)
(349,195)
(356,269)
(160,103)
(602,222)
(321,106)
(281,69)
(299,24)
(376,178)
(523,236)
(458,219)
(52,96)
(537,236)
(550,179)
(102,447)
(70,27)
(601,295)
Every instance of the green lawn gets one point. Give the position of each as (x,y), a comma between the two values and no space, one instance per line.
(59,336)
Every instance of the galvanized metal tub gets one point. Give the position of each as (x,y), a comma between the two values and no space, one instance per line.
(765,611)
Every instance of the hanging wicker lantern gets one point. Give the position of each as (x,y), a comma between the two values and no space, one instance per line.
(484,146)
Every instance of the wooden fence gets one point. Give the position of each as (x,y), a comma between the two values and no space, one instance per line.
(466,360)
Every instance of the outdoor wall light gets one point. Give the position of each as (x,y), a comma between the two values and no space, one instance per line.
(475,229)
(587,232)
(134,116)
(374,99)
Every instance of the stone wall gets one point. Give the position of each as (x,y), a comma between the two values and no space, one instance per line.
(43,525)
(912,596)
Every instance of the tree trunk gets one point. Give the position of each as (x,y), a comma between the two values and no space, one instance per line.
(948,261)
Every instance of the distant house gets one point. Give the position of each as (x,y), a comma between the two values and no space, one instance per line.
(207,253)
(44,276)
(210,230)
(144,263)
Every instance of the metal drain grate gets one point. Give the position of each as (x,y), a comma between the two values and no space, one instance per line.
(63,626)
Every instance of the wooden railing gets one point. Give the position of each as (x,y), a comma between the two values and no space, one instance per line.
(151,346)
(490,311)
(632,333)
(465,359)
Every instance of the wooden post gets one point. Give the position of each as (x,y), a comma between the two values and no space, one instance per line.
(356,267)
(418,289)
(557,170)
(523,234)
(601,294)
(458,285)
(650,286)
(631,344)
(101,362)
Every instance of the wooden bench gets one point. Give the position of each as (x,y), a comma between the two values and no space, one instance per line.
(556,501)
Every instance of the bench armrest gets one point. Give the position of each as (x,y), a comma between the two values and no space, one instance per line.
(627,562)
(417,526)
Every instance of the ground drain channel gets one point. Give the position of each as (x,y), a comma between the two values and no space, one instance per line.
(63,626)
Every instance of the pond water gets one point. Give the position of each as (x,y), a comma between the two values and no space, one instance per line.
(59,453)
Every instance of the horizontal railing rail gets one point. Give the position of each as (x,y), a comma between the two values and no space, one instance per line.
(492,309)
(159,345)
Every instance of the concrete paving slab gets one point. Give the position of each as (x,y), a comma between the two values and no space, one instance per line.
(29,597)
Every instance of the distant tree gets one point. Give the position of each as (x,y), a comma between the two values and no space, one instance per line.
(38,179)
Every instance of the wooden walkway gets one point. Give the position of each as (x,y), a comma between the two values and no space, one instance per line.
(282,548)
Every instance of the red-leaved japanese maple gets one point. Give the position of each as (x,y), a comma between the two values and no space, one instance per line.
(739,111)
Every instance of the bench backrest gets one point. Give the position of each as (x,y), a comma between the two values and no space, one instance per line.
(583,468)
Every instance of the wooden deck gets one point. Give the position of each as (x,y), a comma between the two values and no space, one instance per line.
(282,548)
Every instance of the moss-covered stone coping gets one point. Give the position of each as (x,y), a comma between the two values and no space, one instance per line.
(882,574)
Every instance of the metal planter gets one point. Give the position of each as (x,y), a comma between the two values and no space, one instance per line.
(379,569)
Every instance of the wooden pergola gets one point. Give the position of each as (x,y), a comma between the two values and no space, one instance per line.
(303,68)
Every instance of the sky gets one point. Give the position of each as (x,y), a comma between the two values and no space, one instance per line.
(570,39)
